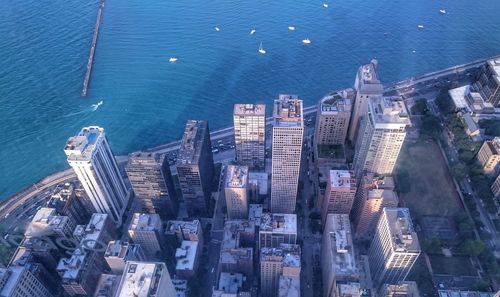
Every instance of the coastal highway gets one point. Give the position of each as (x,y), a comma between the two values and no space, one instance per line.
(411,87)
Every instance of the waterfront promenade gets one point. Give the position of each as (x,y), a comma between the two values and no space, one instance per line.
(23,201)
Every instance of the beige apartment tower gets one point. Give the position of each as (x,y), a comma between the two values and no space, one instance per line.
(288,134)
(236,192)
(381,136)
(394,248)
(276,263)
(495,187)
(373,195)
(250,134)
(146,230)
(367,85)
(339,194)
(489,156)
(334,115)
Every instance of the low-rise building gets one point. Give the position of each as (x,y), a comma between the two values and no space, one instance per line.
(230,284)
(187,259)
(185,230)
(47,222)
(276,229)
(489,156)
(255,213)
(284,261)
(289,286)
(236,254)
(118,253)
(401,289)
(180,286)
(145,279)
(107,285)
(146,230)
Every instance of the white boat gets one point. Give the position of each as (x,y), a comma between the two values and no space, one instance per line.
(261,49)
(420,26)
(252,32)
(172,60)
(325,5)
(442,11)
(217,29)
(306,41)
(291,28)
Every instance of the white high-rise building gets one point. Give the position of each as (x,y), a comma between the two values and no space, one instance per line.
(394,248)
(93,161)
(250,134)
(236,191)
(367,85)
(381,136)
(288,134)
(145,279)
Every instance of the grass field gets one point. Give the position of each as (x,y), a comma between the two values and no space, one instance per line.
(428,186)
(456,266)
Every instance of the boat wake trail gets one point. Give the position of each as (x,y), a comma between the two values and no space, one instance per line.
(92,107)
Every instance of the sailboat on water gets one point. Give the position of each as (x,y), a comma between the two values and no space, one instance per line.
(262,51)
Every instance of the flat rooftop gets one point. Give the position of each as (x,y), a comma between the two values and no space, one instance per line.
(145,222)
(232,231)
(260,180)
(231,282)
(141,279)
(349,290)
(289,286)
(388,111)
(186,255)
(404,237)
(287,111)
(494,64)
(117,249)
(81,146)
(192,142)
(255,213)
(236,176)
(190,226)
(95,227)
(107,285)
(341,179)
(382,193)
(70,268)
(11,275)
(289,254)
(144,158)
(338,101)
(180,286)
(234,255)
(338,230)
(249,110)
(458,96)
(278,223)
(368,72)
(494,145)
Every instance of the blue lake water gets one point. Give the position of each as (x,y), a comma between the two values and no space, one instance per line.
(44,47)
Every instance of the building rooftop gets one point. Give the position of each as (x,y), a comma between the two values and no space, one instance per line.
(190,226)
(349,290)
(233,230)
(338,101)
(458,293)
(388,112)
(43,222)
(63,191)
(289,286)
(145,222)
(404,237)
(94,228)
(458,95)
(494,64)
(401,289)
(81,147)
(107,285)
(191,143)
(288,253)
(145,158)
(250,109)
(180,286)
(494,145)
(70,269)
(10,277)
(382,193)
(338,228)
(287,111)
(341,179)
(118,249)
(236,176)
(186,255)
(260,180)
(278,223)
(368,72)
(141,279)
(255,213)
(231,282)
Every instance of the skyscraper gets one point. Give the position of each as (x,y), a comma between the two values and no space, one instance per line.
(93,161)
(489,156)
(339,194)
(367,85)
(145,279)
(236,192)
(381,136)
(488,83)
(23,280)
(288,134)
(149,174)
(394,248)
(195,168)
(275,263)
(249,134)
(146,230)
(276,229)
(334,115)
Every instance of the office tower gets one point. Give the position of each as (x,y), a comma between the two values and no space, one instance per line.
(22,280)
(381,136)
(46,223)
(350,289)
(401,289)
(337,254)
(185,230)
(65,201)
(288,133)
(195,168)
(107,285)
(488,83)
(394,248)
(95,166)
(145,279)
(275,263)
(373,195)
(332,120)
(339,194)
(236,254)
(146,230)
(249,134)
(186,258)
(276,229)
(118,253)
(495,187)
(258,186)
(489,156)
(367,85)
(236,191)
(149,174)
